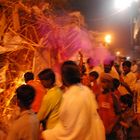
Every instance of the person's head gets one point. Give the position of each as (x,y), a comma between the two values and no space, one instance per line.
(25,96)
(116,83)
(90,62)
(28,76)
(93,76)
(108,65)
(106,82)
(70,73)
(126,101)
(126,67)
(69,62)
(47,78)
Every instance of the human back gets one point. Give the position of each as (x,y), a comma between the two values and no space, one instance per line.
(40,92)
(82,110)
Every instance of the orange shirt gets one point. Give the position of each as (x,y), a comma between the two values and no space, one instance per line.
(40,92)
(106,111)
(96,88)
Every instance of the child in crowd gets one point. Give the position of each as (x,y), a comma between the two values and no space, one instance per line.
(129,120)
(127,117)
(26,127)
(40,90)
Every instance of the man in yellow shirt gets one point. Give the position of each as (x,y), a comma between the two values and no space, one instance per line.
(128,79)
(49,110)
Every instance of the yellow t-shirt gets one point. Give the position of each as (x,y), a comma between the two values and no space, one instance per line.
(49,109)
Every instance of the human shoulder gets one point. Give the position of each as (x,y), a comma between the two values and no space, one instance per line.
(54,91)
(53,94)
(20,124)
(25,117)
(77,89)
(35,83)
(131,74)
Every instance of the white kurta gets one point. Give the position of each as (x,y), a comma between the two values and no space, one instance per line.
(137,97)
(79,119)
(130,79)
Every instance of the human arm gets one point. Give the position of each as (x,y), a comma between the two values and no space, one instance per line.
(124,124)
(127,87)
(45,108)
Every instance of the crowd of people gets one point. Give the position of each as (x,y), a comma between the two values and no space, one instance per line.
(94,102)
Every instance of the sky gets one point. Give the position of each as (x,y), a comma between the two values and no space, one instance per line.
(102,16)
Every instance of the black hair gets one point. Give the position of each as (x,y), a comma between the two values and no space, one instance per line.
(69,62)
(94,74)
(25,95)
(70,73)
(108,65)
(116,83)
(108,62)
(89,60)
(127,99)
(28,76)
(47,74)
(127,63)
